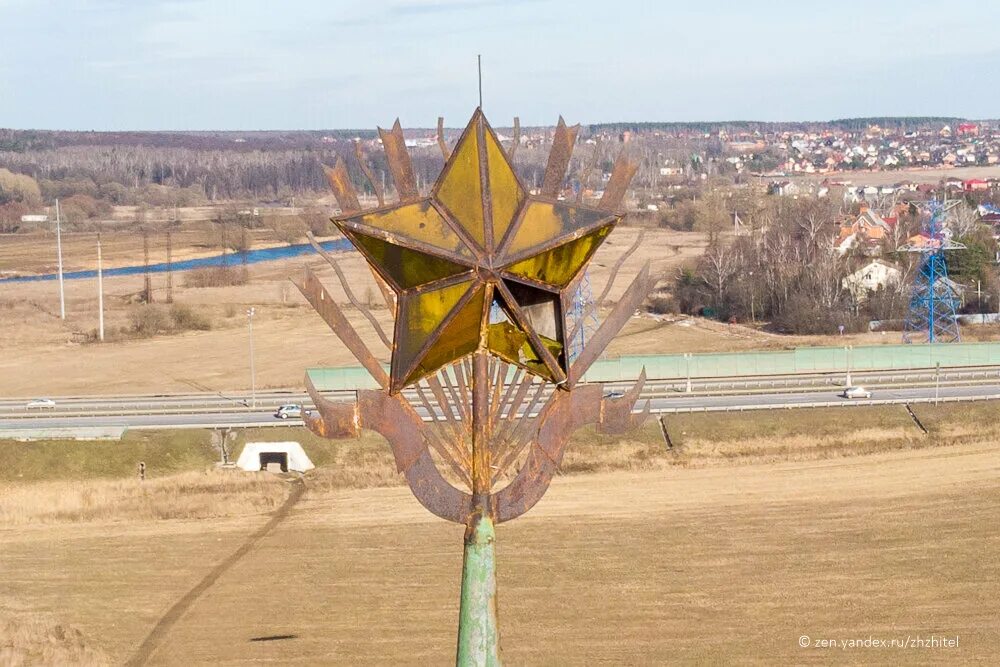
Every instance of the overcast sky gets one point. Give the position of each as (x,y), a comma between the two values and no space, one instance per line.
(316,64)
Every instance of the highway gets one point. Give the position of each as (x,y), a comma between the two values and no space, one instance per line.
(187,412)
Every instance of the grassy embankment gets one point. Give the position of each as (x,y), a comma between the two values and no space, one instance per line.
(96,481)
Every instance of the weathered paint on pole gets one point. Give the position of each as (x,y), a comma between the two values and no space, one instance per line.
(478,635)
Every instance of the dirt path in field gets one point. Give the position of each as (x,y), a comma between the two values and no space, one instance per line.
(174,614)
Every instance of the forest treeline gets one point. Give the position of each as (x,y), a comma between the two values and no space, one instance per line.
(189,169)
(847,124)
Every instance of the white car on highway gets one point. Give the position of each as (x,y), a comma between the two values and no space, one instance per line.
(291,410)
(41,404)
(856,392)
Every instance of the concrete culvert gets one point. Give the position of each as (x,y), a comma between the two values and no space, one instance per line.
(274,457)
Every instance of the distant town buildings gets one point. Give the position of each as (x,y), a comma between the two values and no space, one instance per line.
(878,149)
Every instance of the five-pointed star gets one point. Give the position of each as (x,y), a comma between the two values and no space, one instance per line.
(479,263)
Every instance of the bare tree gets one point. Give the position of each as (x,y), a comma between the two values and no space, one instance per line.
(963,220)
(719,265)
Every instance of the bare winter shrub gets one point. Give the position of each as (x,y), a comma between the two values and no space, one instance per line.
(217,276)
(662,305)
(186,318)
(318,222)
(290,230)
(148,320)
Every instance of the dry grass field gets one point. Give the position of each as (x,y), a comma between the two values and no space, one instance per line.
(42,355)
(721,550)
(932,175)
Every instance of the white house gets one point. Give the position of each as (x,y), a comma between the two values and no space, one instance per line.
(784,188)
(874,275)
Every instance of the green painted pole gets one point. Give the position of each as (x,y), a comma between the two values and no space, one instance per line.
(478,635)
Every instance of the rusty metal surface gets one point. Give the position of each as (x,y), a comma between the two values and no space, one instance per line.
(343,189)
(515,438)
(399,162)
(388,296)
(346,286)
(619,315)
(394,419)
(616,413)
(614,191)
(559,157)
(451,386)
(587,169)
(616,267)
(482,451)
(486,184)
(331,420)
(601,300)
(321,301)
(375,185)
(563,414)
(440,139)
(515,140)
(505,429)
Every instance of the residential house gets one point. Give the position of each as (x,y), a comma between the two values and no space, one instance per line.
(876,274)
(783,188)
(868,232)
(968,130)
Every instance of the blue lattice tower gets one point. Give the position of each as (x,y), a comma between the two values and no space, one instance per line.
(932,315)
(582,317)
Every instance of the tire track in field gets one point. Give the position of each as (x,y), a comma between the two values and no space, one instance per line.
(174,614)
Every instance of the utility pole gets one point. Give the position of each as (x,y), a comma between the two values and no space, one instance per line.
(849,349)
(937,382)
(170,267)
(100,291)
(687,366)
(253,375)
(147,281)
(62,289)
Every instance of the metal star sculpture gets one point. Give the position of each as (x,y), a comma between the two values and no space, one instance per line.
(479,246)
(480,276)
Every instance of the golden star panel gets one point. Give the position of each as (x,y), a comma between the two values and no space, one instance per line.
(478,264)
